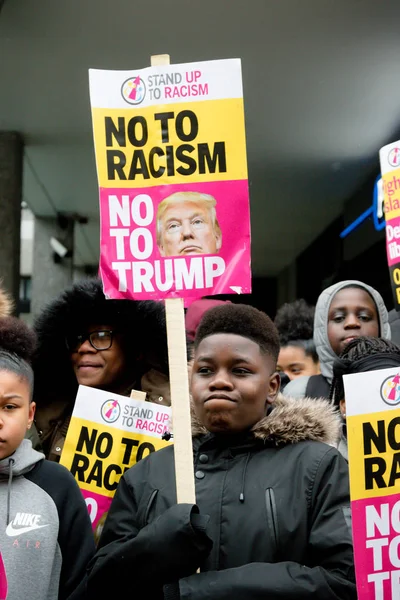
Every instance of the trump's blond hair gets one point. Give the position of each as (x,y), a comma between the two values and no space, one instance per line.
(180,198)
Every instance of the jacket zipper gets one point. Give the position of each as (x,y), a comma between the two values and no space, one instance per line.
(272,519)
(149,506)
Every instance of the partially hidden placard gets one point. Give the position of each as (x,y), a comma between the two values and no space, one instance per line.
(373,431)
(390,167)
(108,434)
(172,171)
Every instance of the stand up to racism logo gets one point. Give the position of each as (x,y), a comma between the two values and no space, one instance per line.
(390,390)
(133,90)
(110,411)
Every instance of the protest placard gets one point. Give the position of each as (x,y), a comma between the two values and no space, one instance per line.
(390,167)
(373,431)
(108,434)
(172,172)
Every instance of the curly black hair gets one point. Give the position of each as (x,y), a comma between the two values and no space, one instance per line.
(360,355)
(295,324)
(240,319)
(17,345)
(142,324)
(17,338)
(295,321)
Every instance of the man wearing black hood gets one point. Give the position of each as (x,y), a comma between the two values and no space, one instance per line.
(113,345)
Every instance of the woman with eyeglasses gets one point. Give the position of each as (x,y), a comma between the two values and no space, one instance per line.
(84,339)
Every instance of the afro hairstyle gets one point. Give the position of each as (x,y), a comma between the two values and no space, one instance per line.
(142,324)
(17,345)
(295,321)
(17,338)
(243,320)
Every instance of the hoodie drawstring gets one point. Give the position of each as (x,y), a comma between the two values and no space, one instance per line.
(241,497)
(10,476)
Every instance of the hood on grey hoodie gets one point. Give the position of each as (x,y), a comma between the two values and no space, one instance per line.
(23,460)
(298,387)
(324,349)
(19,463)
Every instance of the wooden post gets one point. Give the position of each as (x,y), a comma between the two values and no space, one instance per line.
(138,395)
(178,377)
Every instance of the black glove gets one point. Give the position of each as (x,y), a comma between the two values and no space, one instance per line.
(172,591)
(199,524)
(171,547)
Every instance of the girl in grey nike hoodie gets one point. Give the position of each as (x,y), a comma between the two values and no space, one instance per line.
(46,538)
(344,311)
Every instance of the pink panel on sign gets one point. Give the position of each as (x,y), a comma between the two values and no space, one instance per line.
(393,241)
(188,254)
(3,580)
(98,506)
(376,529)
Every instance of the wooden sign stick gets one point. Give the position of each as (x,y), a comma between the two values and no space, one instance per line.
(179,383)
(138,395)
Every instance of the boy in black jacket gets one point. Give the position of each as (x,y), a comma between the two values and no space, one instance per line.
(272,513)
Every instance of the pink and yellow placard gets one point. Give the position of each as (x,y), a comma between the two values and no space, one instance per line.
(172,171)
(373,431)
(390,167)
(108,434)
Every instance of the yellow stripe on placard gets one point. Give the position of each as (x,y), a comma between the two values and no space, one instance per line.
(391,191)
(98,455)
(374,454)
(203,141)
(392,214)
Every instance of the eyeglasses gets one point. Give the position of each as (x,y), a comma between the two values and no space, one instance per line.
(99,340)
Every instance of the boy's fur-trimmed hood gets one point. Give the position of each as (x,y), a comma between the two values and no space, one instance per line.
(292,421)
(6,304)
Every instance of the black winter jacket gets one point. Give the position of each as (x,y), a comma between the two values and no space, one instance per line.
(279,517)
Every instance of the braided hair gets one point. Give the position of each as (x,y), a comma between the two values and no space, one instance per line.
(360,355)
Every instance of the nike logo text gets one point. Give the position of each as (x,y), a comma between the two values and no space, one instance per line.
(11,532)
(23,523)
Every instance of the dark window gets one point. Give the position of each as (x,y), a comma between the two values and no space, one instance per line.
(25,292)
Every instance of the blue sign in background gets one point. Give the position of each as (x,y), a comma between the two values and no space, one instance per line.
(379,223)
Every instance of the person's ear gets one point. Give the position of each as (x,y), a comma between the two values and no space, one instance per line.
(342,407)
(274,385)
(161,250)
(32,409)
